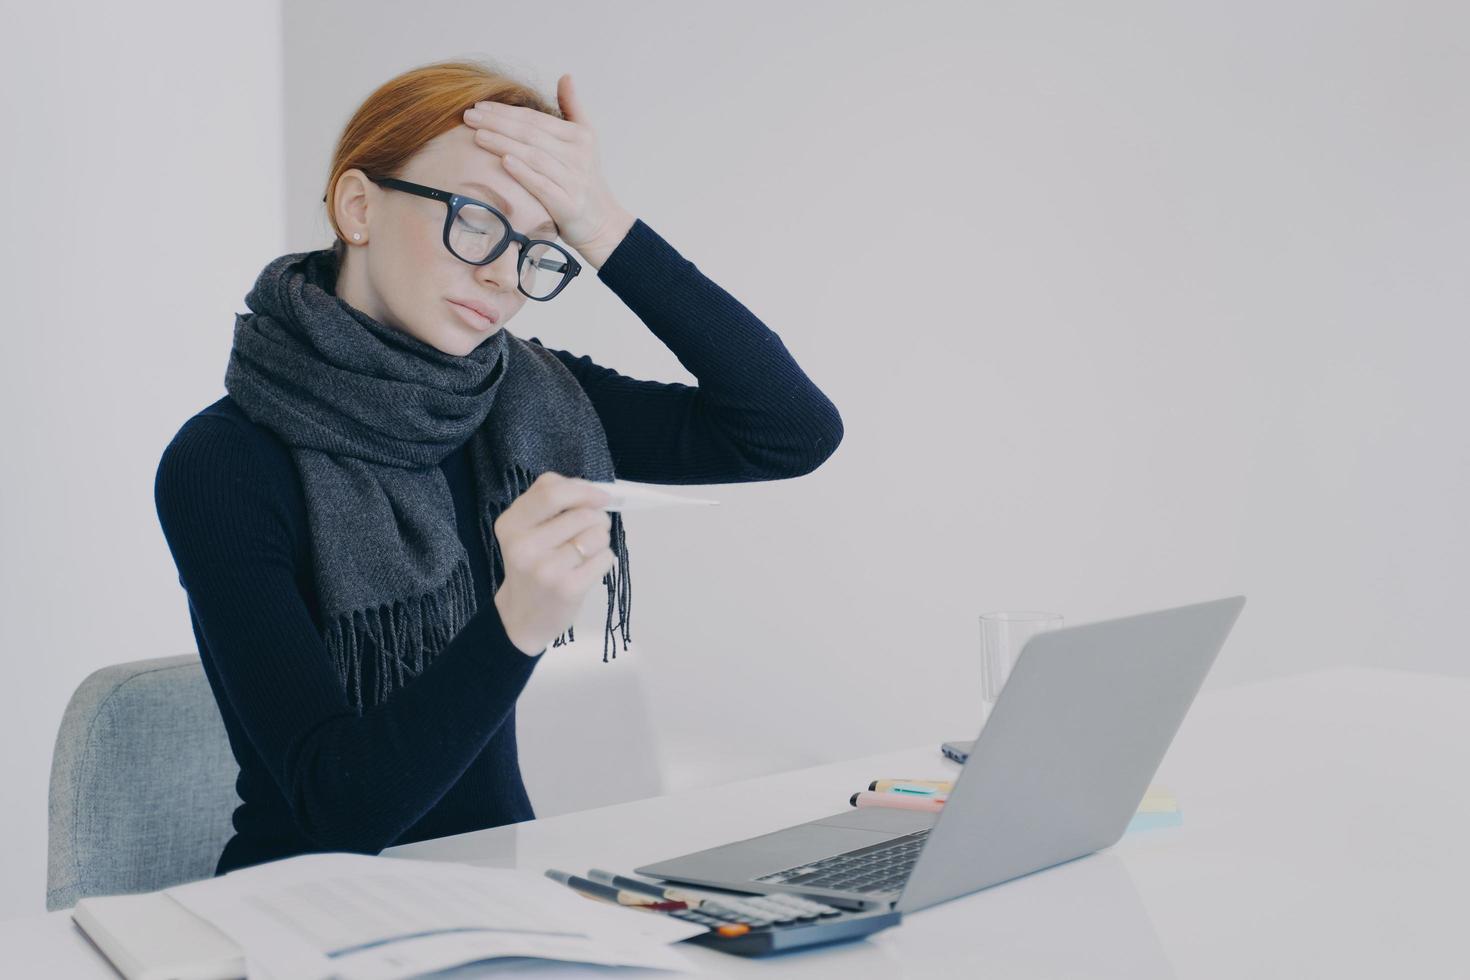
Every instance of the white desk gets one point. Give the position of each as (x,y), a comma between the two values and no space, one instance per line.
(1324,835)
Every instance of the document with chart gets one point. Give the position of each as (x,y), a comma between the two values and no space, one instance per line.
(371,918)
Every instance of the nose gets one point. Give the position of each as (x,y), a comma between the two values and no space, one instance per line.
(501,274)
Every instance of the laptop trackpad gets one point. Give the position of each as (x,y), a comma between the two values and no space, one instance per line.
(793,846)
(808,842)
(893,821)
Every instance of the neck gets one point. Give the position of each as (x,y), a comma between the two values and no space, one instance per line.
(354,288)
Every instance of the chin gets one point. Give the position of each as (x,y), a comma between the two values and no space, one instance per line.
(464,345)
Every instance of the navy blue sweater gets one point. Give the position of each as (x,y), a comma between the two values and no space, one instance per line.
(439,757)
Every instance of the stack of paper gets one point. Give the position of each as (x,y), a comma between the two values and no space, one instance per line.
(356,917)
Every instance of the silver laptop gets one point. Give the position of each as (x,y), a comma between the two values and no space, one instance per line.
(1056,773)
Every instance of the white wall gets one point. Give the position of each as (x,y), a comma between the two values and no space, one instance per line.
(142,185)
(1122,306)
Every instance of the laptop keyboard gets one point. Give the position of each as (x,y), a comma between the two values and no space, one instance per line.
(875,868)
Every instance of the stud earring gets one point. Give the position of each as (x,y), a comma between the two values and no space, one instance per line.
(356,236)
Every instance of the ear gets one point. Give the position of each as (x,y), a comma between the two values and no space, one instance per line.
(354,197)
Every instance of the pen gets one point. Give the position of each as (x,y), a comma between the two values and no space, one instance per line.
(681,898)
(905,789)
(631,884)
(690,899)
(596,889)
(912,785)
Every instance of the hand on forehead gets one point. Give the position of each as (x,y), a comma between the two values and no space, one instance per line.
(555,160)
(470,169)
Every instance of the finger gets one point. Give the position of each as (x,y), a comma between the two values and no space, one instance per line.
(551,194)
(592,544)
(552,167)
(566,562)
(551,493)
(594,569)
(570,101)
(568,526)
(521,116)
(524,132)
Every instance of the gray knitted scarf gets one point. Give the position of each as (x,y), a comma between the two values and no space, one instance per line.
(368,411)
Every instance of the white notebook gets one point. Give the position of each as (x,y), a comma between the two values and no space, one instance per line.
(153,937)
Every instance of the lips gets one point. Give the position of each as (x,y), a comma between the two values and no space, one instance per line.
(479,308)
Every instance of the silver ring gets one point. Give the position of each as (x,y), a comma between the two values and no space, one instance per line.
(579,550)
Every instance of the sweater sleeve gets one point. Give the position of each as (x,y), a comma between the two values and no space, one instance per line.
(755,414)
(354,781)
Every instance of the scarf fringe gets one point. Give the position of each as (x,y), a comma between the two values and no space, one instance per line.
(406,635)
(619,586)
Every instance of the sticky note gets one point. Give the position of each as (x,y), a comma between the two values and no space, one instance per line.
(1158,800)
(1153,821)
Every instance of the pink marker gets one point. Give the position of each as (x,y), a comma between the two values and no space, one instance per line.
(898,801)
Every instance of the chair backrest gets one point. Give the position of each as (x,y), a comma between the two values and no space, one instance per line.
(584,729)
(142,782)
(143,778)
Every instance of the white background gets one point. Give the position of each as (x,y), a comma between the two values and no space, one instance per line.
(1123,306)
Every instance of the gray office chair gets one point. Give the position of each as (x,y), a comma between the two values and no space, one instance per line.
(142,782)
(143,779)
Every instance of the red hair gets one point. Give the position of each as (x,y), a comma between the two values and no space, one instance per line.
(407,111)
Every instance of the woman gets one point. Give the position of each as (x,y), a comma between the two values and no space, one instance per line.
(390,514)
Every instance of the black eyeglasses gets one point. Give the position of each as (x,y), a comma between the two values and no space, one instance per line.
(476,233)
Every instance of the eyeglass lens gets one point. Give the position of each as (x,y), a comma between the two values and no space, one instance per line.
(477,231)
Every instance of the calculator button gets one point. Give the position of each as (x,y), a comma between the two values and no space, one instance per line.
(809,907)
(781,913)
(776,913)
(751,908)
(792,910)
(730,909)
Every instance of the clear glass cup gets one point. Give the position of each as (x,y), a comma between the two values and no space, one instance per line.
(1002,635)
